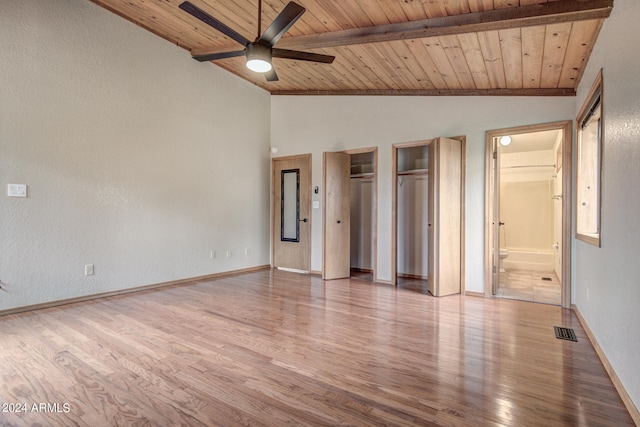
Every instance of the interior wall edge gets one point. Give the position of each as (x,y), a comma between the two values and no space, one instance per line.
(626,399)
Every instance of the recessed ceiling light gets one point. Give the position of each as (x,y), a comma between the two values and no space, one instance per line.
(505,140)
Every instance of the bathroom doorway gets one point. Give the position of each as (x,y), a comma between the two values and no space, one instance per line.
(528,231)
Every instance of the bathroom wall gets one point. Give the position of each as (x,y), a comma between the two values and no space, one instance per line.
(526,204)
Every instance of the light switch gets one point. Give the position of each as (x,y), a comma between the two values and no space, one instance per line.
(316,204)
(17,190)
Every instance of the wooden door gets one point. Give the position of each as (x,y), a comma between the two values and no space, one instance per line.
(336,260)
(445,213)
(291,228)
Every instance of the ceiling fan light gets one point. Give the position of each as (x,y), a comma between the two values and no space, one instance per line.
(259,57)
(258,65)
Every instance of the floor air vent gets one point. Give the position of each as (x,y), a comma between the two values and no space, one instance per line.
(565,334)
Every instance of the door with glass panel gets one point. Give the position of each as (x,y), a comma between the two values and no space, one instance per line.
(291,228)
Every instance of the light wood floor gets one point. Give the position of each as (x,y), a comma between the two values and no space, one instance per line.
(527,285)
(277,349)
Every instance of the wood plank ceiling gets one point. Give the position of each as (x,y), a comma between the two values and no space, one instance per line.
(398,47)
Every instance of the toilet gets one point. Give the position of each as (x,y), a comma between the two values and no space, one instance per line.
(503,254)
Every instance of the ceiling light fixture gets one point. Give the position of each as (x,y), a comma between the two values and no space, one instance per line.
(259,57)
(505,140)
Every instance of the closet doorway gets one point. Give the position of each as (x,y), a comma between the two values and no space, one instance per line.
(412,216)
(364,202)
(350,214)
(428,216)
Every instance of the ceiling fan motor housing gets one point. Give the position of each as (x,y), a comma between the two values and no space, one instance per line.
(259,50)
(259,57)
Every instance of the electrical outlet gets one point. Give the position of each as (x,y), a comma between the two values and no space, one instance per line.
(17,190)
(88,270)
(229,253)
(212,254)
(247,252)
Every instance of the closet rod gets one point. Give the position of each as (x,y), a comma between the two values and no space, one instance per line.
(414,172)
(528,166)
(363,175)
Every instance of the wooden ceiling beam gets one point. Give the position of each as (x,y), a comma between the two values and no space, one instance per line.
(430,92)
(499,19)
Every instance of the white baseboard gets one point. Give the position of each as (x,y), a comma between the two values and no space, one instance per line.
(181,282)
(474,294)
(626,399)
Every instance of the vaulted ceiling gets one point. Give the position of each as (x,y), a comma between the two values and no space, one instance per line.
(397,47)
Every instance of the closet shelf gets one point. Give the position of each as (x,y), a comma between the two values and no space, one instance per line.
(414,172)
(363,175)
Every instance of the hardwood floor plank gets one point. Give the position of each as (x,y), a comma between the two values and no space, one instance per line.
(271,348)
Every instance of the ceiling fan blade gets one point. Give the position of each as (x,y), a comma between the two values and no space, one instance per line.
(213,22)
(282,23)
(302,56)
(219,55)
(271,76)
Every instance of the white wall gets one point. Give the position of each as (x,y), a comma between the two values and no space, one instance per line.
(606,280)
(129,148)
(316,124)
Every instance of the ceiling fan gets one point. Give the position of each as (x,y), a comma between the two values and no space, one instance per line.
(259,52)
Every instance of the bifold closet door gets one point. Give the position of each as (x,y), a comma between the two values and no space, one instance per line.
(445,213)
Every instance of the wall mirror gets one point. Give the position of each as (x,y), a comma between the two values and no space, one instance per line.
(290,206)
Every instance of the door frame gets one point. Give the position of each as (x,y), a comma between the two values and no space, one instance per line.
(394,206)
(394,203)
(374,202)
(275,180)
(567,176)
